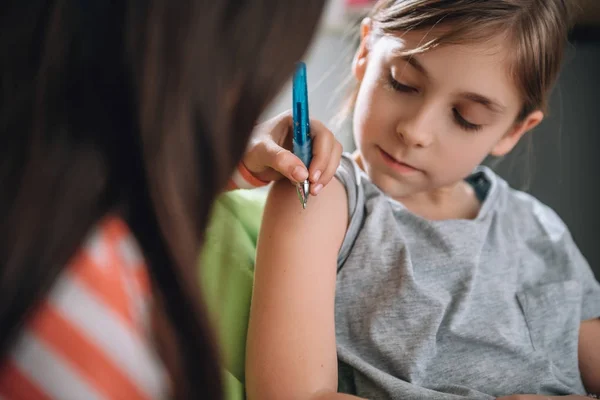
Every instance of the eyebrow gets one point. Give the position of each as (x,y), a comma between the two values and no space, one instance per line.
(490,104)
(415,64)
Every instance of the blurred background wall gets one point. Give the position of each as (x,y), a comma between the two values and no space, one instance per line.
(562,167)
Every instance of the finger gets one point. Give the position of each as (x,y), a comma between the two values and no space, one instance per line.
(281,128)
(323,143)
(276,129)
(287,164)
(334,162)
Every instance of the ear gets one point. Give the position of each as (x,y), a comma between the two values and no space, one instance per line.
(359,64)
(512,137)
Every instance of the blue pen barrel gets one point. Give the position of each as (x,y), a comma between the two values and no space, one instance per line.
(304,152)
(302,142)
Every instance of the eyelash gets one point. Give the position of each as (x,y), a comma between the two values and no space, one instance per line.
(400,87)
(463,123)
(459,119)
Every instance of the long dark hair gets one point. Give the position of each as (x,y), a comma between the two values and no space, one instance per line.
(140,108)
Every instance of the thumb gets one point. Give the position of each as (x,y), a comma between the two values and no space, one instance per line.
(287,164)
(268,161)
(283,162)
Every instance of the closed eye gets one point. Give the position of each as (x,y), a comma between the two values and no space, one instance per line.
(463,123)
(400,87)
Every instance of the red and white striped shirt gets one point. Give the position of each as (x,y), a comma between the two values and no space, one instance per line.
(91,338)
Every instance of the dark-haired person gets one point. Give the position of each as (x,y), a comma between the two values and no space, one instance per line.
(120,123)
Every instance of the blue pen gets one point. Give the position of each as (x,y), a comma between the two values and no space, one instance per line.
(302,143)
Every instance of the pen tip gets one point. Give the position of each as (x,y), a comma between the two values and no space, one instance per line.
(302,195)
(303,190)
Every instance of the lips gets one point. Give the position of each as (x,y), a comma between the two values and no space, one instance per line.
(397,165)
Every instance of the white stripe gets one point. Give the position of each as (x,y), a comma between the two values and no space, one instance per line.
(138,303)
(132,255)
(108,332)
(97,248)
(130,251)
(49,371)
(135,301)
(240,181)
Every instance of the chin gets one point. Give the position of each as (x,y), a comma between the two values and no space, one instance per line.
(392,186)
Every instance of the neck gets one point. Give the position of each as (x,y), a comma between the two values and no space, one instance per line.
(457,201)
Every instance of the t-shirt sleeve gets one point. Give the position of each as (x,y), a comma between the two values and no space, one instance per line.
(590,305)
(570,261)
(349,176)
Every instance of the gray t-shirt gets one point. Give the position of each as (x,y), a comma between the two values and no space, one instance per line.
(458,309)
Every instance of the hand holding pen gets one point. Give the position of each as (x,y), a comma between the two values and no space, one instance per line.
(303,138)
(269,158)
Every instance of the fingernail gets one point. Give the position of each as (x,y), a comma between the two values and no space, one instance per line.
(299,174)
(317,189)
(316,175)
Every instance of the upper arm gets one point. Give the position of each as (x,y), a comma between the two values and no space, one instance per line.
(291,349)
(589,354)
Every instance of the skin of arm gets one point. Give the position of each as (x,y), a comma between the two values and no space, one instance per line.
(589,354)
(291,351)
(541,397)
(589,363)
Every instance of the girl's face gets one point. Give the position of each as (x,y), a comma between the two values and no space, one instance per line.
(424,122)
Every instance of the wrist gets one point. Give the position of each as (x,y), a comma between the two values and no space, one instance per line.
(243,178)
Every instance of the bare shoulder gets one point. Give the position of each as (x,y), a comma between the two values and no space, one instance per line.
(324,221)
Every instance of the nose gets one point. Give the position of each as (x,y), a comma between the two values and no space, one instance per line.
(416,130)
